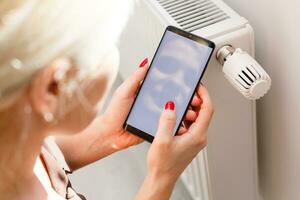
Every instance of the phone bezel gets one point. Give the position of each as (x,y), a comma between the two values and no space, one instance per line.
(142,134)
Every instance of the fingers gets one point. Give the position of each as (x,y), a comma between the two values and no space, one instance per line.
(196,135)
(205,112)
(190,115)
(166,123)
(204,95)
(182,130)
(130,86)
(197,101)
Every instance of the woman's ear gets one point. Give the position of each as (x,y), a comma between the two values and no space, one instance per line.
(44,89)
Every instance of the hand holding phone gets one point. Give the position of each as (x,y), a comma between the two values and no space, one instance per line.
(169,156)
(174,74)
(111,122)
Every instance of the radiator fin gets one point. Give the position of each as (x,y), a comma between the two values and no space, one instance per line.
(193,14)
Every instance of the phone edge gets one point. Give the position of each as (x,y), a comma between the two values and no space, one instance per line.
(147,136)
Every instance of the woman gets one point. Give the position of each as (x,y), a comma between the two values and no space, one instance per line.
(57,63)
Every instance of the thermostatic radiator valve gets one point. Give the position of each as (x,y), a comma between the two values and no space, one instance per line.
(243,72)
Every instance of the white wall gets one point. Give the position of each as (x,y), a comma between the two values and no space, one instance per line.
(277,30)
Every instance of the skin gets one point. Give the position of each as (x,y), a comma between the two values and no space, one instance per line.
(168,156)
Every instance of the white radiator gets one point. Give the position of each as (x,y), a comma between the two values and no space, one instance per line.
(227,168)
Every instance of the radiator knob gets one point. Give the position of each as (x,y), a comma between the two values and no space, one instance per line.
(244,72)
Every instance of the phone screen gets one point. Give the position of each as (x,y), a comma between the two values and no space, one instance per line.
(174,73)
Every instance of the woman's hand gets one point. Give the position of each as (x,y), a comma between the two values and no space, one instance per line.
(169,155)
(105,135)
(118,109)
(115,115)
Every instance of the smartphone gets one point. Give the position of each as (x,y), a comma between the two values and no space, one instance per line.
(174,74)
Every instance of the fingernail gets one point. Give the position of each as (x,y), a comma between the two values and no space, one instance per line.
(145,61)
(170,105)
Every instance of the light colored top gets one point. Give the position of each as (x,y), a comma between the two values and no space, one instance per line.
(52,171)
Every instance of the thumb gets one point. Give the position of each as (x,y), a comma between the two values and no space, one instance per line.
(130,86)
(167,122)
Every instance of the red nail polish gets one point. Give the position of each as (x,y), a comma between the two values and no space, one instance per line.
(170,105)
(145,61)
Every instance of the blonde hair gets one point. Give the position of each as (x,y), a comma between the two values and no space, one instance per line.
(35,32)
